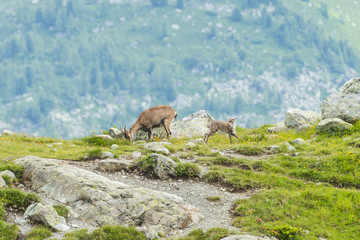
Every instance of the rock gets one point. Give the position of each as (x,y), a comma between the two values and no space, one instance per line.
(298,141)
(115,133)
(190,145)
(343,104)
(46,215)
(58,144)
(8,173)
(7,133)
(247,237)
(194,125)
(156,147)
(355,142)
(303,128)
(98,201)
(114,165)
(103,136)
(274,148)
(2,183)
(332,125)
(107,155)
(136,155)
(164,166)
(288,146)
(279,127)
(114,147)
(295,118)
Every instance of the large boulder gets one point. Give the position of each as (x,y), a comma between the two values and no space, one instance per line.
(332,125)
(114,165)
(98,200)
(295,118)
(164,166)
(343,104)
(196,124)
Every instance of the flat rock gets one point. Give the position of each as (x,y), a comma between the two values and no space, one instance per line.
(295,118)
(157,147)
(114,165)
(332,125)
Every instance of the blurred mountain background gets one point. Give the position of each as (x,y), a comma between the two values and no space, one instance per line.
(68,67)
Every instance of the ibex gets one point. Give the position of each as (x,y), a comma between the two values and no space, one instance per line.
(226,127)
(152,118)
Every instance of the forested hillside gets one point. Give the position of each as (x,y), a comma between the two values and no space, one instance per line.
(71,66)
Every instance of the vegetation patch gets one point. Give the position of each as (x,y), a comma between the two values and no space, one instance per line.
(211,234)
(106,233)
(8,231)
(93,154)
(250,150)
(17,199)
(285,211)
(61,210)
(188,170)
(213,198)
(39,233)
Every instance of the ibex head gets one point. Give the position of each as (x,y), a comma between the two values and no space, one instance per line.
(128,134)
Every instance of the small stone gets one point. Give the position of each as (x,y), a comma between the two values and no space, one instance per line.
(8,173)
(190,145)
(135,155)
(106,137)
(114,146)
(107,155)
(7,133)
(298,141)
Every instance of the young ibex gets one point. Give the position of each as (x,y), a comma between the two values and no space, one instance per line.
(152,118)
(226,127)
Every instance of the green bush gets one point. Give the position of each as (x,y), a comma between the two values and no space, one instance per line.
(39,233)
(8,231)
(61,210)
(16,169)
(146,164)
(94,154)
(284,232)
(106,233)
(188,170)
(215,176)
(15,198)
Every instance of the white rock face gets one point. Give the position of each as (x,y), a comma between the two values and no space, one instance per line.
(99,201)
(343,104)
(295,118)
(194,125)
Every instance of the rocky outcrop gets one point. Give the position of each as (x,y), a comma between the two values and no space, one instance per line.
(116,133)
(279,127)
(332,125)
(295,118)
(164,167)
(98,200)
(46,215)
(196,124)
(343,104)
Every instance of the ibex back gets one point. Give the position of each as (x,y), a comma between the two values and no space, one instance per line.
(226,127)
(152,118)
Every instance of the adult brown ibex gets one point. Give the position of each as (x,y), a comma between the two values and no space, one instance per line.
(226,127)
(152,118)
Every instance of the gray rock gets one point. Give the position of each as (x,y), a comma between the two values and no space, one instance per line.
(288,146)
(332,125)
(246,237)
(273,148)
(2,183)
(97,200)
(107,155)
(116,133)
(343,104)
(198,141)
(303,128)
(295,118)
(298,141)
(156,147)
(114,146)
(136,155)
(279,127)
(7,133)
(8,173)
(190,145)
(194,125)
(164,166)
(46,215)
(114,165)
(104,136)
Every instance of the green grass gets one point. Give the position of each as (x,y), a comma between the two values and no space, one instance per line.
(61,210)
(211,234)
(315,190)
(8,231)
(39,233)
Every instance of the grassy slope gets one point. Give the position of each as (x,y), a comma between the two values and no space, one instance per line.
(316,190)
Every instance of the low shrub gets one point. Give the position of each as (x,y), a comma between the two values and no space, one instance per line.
(215,176)
(8,231)
(17,199)
(188,170)
(213,198)
(61,210)
(283,232)
(250,150)
(211,234)
(39,233)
